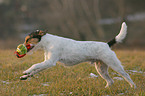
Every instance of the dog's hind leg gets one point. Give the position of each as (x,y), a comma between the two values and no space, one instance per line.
(125,75)
(113,62)
(102,69)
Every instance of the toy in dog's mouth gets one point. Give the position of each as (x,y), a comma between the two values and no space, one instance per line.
(22,50)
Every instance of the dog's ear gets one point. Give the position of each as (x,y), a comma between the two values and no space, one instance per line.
(41,33)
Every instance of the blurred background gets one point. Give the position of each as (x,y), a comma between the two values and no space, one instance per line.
(97,20)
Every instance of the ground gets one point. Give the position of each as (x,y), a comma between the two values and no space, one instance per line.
(78,80)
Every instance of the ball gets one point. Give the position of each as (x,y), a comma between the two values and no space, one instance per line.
(21,49)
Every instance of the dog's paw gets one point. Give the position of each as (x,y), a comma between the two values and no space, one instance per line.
(24,77)
(25,73)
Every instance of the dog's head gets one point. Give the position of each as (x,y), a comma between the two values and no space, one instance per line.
(34,37)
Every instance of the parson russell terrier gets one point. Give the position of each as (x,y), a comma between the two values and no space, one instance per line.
(72,52)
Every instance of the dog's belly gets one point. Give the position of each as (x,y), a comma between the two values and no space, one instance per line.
(70,61)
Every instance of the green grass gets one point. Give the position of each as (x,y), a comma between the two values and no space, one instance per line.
(68,81)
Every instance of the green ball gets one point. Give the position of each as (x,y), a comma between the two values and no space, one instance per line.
(21,49)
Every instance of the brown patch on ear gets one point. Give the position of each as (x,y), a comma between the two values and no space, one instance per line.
(41,33)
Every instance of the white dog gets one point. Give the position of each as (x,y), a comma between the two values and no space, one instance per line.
(71,52)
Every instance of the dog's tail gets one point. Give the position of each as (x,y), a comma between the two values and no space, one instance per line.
(120,36)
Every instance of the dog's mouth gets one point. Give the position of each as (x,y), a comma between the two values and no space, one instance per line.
(30,47)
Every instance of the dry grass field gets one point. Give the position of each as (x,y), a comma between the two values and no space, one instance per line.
(69,81)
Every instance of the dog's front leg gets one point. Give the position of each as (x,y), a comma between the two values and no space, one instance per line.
(37,68)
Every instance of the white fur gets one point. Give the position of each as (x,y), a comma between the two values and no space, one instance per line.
(71,52)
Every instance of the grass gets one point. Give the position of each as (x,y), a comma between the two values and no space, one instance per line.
(68,81)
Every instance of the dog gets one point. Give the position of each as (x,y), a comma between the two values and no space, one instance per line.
(72,52)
